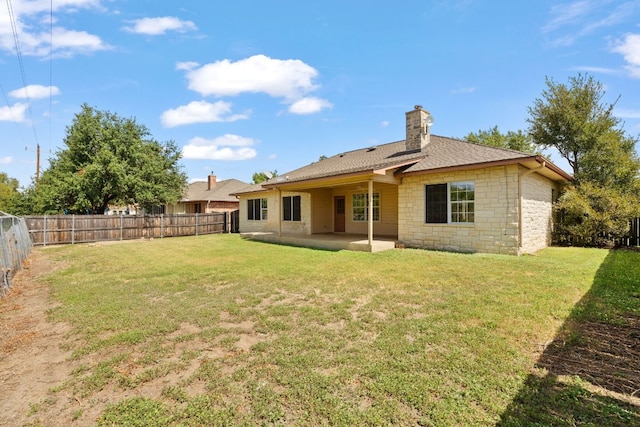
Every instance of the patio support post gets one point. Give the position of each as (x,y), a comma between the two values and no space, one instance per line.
(370,207)
(279,203)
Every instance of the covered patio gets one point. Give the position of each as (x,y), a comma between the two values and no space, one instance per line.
(327,241)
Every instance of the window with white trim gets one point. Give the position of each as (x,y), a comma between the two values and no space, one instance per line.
(360,207)
(257,209)
(452,203)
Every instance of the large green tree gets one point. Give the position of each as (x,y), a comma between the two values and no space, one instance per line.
(259,177)
(572,118)
(109,160)
(519,141)
(597,207)
(9,194)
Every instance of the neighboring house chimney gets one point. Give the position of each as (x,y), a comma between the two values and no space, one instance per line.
(418,122)
(211,181)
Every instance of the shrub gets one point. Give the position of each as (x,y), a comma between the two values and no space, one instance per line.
(592,215)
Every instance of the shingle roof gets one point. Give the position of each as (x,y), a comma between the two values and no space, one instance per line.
(449,152)
(221,191)
(441,152)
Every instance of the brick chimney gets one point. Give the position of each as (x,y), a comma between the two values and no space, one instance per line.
(418,122)
(211,181)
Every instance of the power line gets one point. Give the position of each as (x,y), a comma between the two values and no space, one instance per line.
(50,71)
(21,63)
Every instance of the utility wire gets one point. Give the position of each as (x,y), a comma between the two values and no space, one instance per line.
(50,71)
(21,63)
(13,118)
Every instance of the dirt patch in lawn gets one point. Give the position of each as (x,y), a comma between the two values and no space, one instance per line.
(31,357)
(37,362)
(606,355)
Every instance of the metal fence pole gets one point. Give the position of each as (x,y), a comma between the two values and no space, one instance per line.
(196,224)
(120,226)
(73,229)
(161,226)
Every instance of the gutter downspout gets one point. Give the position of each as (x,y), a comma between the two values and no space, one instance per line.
(520,176)
(370,207)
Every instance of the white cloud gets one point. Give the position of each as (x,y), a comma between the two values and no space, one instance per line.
(290,79)
(309,105)
(629,47)
(464,90)
(627,113)
(6,160)
(35,92)
(566,14)
(160,25)
(226,139)
(220,148)
(599,70)
(200,112)
(32,24)
(384,124)
(13,114)
(572,21)
(187,65)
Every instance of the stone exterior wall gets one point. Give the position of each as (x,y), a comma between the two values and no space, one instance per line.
(495,229)
(537,219)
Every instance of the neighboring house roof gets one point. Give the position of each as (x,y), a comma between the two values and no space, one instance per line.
(221,191)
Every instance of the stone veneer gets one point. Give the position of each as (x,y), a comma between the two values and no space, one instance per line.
(537,219)
(495,229)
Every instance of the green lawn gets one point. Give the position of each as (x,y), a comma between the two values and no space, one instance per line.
(214,330)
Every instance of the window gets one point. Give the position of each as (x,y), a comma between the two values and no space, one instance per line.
(257,209)
(437,204)
(291,208)
(197,208)
(450,203)
(360,207)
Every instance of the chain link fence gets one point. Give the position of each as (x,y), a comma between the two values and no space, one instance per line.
(16,246)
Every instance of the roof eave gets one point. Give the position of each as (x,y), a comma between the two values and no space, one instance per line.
(519,160)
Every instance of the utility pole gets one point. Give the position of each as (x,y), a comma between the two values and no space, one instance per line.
(37,164)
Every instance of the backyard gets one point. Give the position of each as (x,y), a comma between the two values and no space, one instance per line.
(216,330)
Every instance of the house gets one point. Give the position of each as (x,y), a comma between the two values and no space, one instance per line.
(208,196)
(426,191)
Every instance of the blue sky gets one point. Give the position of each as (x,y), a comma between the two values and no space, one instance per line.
(247,86)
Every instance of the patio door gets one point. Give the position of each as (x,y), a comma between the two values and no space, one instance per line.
(339,214)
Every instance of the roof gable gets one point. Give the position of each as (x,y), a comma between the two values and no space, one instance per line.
(221,192)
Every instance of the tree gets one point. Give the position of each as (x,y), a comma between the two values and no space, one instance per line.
(9,193)
(259,177)
(597,208)
(572,118)
(518,141)
(593,215)
(109,160)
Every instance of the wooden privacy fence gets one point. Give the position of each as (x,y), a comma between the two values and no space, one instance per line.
(62,229)
(634,234)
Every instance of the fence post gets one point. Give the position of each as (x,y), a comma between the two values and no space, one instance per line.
(120,225)
(161,226)
(226,227)
(44,233)
(73,228)
(196,224)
